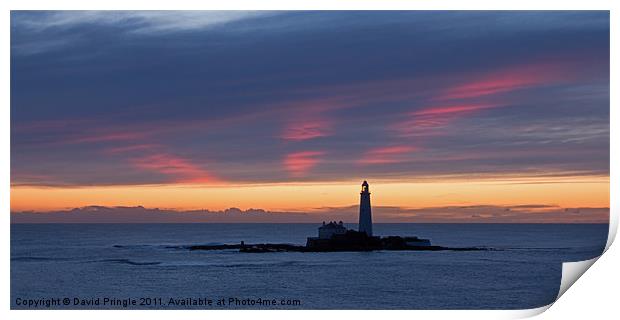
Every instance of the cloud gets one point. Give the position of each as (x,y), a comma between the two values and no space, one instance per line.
(509,79)
(480,213)
(427,121)
(299,163)
(26,179)
(81,132)
(526,213)
(307,129)
(179,169)
(131,148)
(133,23)
(450,110)
(383,155)
(116,136)
(143,22)
(139,214)
(40,46)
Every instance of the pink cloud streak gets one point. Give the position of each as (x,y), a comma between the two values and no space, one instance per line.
(383,155)
(181,169)
(116,136)
(509,79)
(305,130)
(426,121)
(299,163)
(130,148)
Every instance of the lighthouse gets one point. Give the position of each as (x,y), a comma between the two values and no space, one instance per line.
(365,223)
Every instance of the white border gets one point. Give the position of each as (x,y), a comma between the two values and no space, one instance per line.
(604,283)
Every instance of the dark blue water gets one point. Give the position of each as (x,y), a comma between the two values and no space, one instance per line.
(141,261)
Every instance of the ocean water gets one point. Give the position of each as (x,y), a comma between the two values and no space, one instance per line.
(147,264)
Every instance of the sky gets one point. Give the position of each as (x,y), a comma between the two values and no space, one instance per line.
(291,111)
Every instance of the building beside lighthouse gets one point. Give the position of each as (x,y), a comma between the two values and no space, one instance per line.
(365,219)
(328,230)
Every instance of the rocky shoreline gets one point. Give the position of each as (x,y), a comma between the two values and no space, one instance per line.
(283,247)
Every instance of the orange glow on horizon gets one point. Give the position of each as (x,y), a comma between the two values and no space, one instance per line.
(563,192)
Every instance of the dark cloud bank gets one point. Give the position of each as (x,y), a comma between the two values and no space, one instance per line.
(447,214)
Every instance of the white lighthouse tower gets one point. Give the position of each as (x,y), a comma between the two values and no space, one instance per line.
(365,224)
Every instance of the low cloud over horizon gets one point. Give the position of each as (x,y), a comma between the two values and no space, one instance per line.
(529,213)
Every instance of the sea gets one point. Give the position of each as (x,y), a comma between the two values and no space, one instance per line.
(148,266)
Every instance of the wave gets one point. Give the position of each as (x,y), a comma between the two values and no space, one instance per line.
(584,248)
(121,261)
(36,259)
(233,265)
(130,262)
(133,246)
(155,246)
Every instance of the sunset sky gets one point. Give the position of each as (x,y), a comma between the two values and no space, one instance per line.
(290,111)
